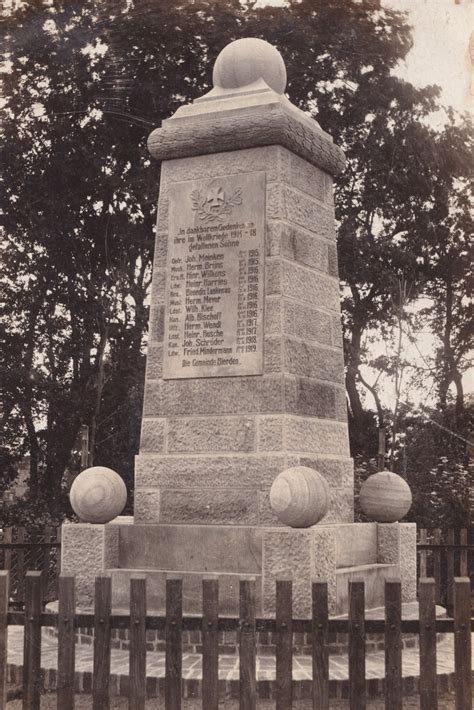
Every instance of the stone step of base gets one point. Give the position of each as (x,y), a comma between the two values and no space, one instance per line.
(192,590)
(373,576)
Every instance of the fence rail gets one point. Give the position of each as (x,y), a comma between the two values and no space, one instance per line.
(173,623)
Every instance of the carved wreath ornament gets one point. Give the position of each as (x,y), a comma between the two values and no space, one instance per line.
(215,205)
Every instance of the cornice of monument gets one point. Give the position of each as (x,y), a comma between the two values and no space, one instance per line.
(238,113)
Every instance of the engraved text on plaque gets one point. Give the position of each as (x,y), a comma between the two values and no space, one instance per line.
(215,278)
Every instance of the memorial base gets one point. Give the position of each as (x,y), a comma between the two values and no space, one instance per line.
(336,553)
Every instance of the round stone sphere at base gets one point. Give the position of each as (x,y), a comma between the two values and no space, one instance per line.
(98,495)
(385,497)
(299,497)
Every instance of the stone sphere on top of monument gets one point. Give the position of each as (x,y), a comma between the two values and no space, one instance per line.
(247,60)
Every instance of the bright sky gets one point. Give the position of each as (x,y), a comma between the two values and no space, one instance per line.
(440,54)
(441,31)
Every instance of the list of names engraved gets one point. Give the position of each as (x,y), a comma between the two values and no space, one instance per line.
(215,278)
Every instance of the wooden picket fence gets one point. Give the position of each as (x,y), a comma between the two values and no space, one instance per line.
(444,555)
(22,550)
(247,625)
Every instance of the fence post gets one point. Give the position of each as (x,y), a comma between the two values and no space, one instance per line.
(247,643)
(7,559)
(137,632)
(437,564)
(463,557)
(284,644)
(320,634)
(210,644)
(100,680)
(462,642)
(66,648)
(357,689)
(450,574)
(32,642)
(45,557)
(427,612)
(423,566)
(393,644)
(4,584)
(174,624)
(20,565)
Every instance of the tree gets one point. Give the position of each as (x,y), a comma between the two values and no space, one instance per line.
(86,85)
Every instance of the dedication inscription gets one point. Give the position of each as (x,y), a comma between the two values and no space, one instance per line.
(215,278)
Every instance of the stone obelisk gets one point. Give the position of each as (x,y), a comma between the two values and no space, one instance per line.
(245,371)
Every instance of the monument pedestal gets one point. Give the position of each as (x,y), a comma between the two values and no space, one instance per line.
(245,369)
(334,552)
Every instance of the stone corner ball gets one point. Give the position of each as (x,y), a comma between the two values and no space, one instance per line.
(385,497)
(299,497)
(247,60)
(98,495)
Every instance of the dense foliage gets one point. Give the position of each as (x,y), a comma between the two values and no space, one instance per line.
(85,83)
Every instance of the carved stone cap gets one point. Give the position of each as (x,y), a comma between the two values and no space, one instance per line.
(245,109)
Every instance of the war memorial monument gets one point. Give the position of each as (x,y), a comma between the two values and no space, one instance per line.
(245,371)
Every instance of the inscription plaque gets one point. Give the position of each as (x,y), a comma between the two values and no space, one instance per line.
(215,278)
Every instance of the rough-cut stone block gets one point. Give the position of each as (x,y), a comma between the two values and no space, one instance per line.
(147,505)
(323,553)
(211,434)
(87,551)
(161,251)
(273,238)
(396,544)
(273,316)
(208,506)
(270,433)
(408,561)
(310,287)
(339,473)
(304,247)
(154,361)
(157,323)
(293,206)
(152,438)
(265,512)
(193,548)
(333,265)
(188,471)
(273,355)
(163,215)
(337,331)
(287,553)
(158,286)
(308,179)
(341,506)
(272,276)
(268,159)
(306,322)
(388,543)
(231,395)
(309,397)
(308,360)
(317,435)
(245,127)
(341,404)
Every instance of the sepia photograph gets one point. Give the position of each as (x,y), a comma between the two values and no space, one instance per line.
(236,355)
